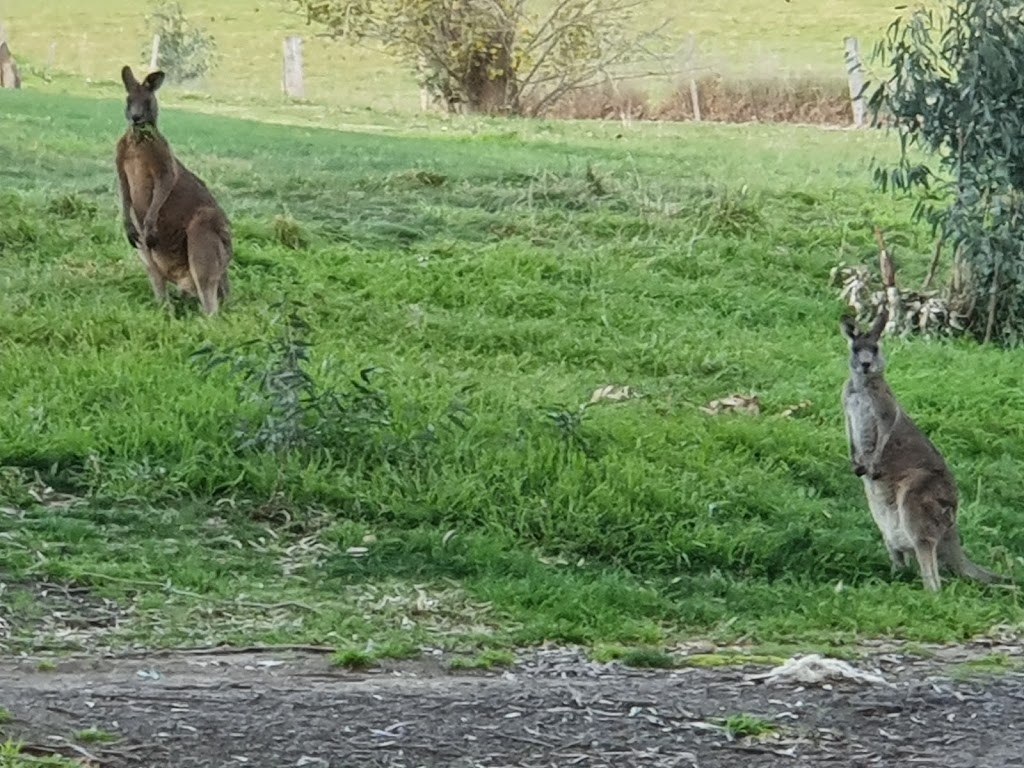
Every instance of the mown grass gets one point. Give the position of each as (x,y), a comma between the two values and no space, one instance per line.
(493,277)
(12,755)
(739,38)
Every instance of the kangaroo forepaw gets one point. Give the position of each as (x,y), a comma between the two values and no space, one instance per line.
(131,233)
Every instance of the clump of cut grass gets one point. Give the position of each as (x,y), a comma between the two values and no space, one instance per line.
(993,664)
(72,205)
(741,726)
(648,658)
(354,658)
(13,756)
(96,736)
(289,233)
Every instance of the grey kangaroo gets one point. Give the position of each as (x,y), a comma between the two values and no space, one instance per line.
(911,491)
(170,216)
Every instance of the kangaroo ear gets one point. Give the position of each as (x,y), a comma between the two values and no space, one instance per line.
(879,324)
(128,78)
(848,326)
(153,80)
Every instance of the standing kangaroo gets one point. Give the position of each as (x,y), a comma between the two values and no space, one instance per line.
(911,491)
(185,236)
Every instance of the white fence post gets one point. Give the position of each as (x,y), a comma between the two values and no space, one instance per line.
(293,85)
(154,57)
(856,75)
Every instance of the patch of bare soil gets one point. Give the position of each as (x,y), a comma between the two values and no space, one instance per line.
(553,709)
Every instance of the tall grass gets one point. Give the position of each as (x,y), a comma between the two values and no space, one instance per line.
(459,298)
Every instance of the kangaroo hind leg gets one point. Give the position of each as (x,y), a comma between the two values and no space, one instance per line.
(207,263)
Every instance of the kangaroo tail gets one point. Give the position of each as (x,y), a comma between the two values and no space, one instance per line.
(960,564)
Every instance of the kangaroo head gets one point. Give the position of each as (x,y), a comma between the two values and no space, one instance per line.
(866,358)
(141,108)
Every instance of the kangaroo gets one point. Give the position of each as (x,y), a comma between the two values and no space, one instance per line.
(911,491)
(182,234)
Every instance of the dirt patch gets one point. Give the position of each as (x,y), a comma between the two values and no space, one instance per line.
(294,709)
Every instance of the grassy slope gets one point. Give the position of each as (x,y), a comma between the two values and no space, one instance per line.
(689,263)
(739,37)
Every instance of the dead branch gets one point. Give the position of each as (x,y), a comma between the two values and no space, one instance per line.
(934,264)
(888,270)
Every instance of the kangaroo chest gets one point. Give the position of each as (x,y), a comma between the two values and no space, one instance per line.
(144,161)
(861,420)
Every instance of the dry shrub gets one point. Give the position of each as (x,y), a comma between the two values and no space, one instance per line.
(813,100)
(780,100)
(599,102)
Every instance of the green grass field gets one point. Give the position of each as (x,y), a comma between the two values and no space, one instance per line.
(487,277)
(736,37)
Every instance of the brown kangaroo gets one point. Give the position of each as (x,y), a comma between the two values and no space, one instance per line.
(911,491)
(185,236)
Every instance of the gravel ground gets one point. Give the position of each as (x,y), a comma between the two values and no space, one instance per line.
(278,708)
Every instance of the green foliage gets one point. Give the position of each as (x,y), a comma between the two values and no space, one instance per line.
(496,56)
(354,658)
(96,736)
(648,658)
(743,725)
(957,92)
(292,413)
(12,756)
(187,51)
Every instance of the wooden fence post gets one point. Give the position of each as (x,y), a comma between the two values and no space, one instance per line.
(856,76)
(154,56)
(293,85)
(51,56)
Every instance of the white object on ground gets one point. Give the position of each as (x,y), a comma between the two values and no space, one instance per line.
(815,669)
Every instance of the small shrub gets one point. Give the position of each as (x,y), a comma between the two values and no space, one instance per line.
(186,52)
(293,412)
